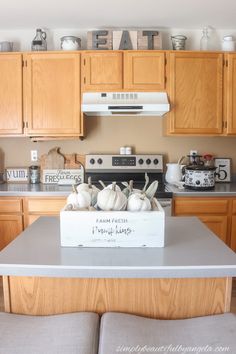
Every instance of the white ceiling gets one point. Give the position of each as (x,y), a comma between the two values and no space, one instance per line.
(117,13)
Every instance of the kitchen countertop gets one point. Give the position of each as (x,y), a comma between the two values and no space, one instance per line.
(192,250)
(29,190)
(53,190)
(220,190)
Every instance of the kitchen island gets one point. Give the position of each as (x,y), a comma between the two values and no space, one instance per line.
(191,276)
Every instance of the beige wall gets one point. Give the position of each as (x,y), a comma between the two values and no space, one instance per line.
(107,134)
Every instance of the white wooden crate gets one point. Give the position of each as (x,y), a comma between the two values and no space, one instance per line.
(113,228)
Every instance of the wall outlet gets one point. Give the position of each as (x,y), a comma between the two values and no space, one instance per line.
(34,155)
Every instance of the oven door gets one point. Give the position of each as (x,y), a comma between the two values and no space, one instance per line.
(166,204)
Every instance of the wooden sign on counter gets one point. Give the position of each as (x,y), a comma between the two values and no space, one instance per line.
(17,175)
(63,177)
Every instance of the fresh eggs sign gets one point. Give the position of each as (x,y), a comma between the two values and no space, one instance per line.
(124,40)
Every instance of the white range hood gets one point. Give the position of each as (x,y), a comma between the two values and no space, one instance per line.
(125,103)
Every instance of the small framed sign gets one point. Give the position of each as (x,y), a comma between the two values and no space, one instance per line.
(17,175)
(66,177)
(223,169)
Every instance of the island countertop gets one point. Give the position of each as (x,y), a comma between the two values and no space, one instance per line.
(191,250)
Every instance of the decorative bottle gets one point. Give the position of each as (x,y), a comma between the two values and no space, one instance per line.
(205,40)
(39,42)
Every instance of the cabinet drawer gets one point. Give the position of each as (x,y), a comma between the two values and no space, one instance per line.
(234,207)
(193,206)
(10,205)
(45,205)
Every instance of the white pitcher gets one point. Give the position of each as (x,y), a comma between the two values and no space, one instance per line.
(173,172)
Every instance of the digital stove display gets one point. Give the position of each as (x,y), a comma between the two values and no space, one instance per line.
(123,161)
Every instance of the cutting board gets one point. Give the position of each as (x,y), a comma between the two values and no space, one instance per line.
(54,160)
(70,161)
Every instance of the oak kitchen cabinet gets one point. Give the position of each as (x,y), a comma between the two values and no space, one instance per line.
(34,207)
(11,219)
(52,94)
(233,228)
(195,86)
(17,213)
(46,87)
(215,212)
(11,107)
(118,71)
(230,93)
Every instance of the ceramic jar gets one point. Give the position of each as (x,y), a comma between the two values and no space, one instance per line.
(228,44)
(70,43)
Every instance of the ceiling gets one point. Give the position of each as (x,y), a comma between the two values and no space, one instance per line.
(192,14)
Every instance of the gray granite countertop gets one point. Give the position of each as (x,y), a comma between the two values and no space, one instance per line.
(220,190)
(24,189)
(191,250)
(21,190)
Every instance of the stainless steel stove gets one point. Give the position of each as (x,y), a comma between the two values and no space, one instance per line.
(122,168)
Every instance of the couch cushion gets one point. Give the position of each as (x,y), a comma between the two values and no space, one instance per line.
(122,333)
(61,334)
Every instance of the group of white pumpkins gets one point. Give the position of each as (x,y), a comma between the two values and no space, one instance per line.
(86,196)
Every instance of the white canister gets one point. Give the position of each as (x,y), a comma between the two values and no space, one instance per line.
(128,150)
(228,44)
(122,150)
(70,43)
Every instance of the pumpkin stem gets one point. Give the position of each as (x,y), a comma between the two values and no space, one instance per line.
(131,185)
(74,188)
(142,196)
(102,184)
(146,182)
(89,182)
(113,186)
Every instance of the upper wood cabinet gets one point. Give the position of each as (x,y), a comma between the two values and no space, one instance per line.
(102,71)
(195,86)
(121,71)
(144,70)
(11,115)
(230,93)
(52,94)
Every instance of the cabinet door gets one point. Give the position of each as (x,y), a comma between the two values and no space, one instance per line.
(11,121)
(53,94)
(230,87)
(233,228)
(10,227)
(217,224)
(144,70)
(36,207)
(196,93)
(233,234)
(102,71)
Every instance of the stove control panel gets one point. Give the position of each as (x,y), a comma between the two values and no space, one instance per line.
(126,162)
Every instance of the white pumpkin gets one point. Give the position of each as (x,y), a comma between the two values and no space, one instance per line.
(111,199)
(84,199)
(91,189)
(138,202)
(80,199)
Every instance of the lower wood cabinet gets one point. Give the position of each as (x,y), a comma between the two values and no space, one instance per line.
(233,227)
(35,207)
(11,220)
(214,212)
